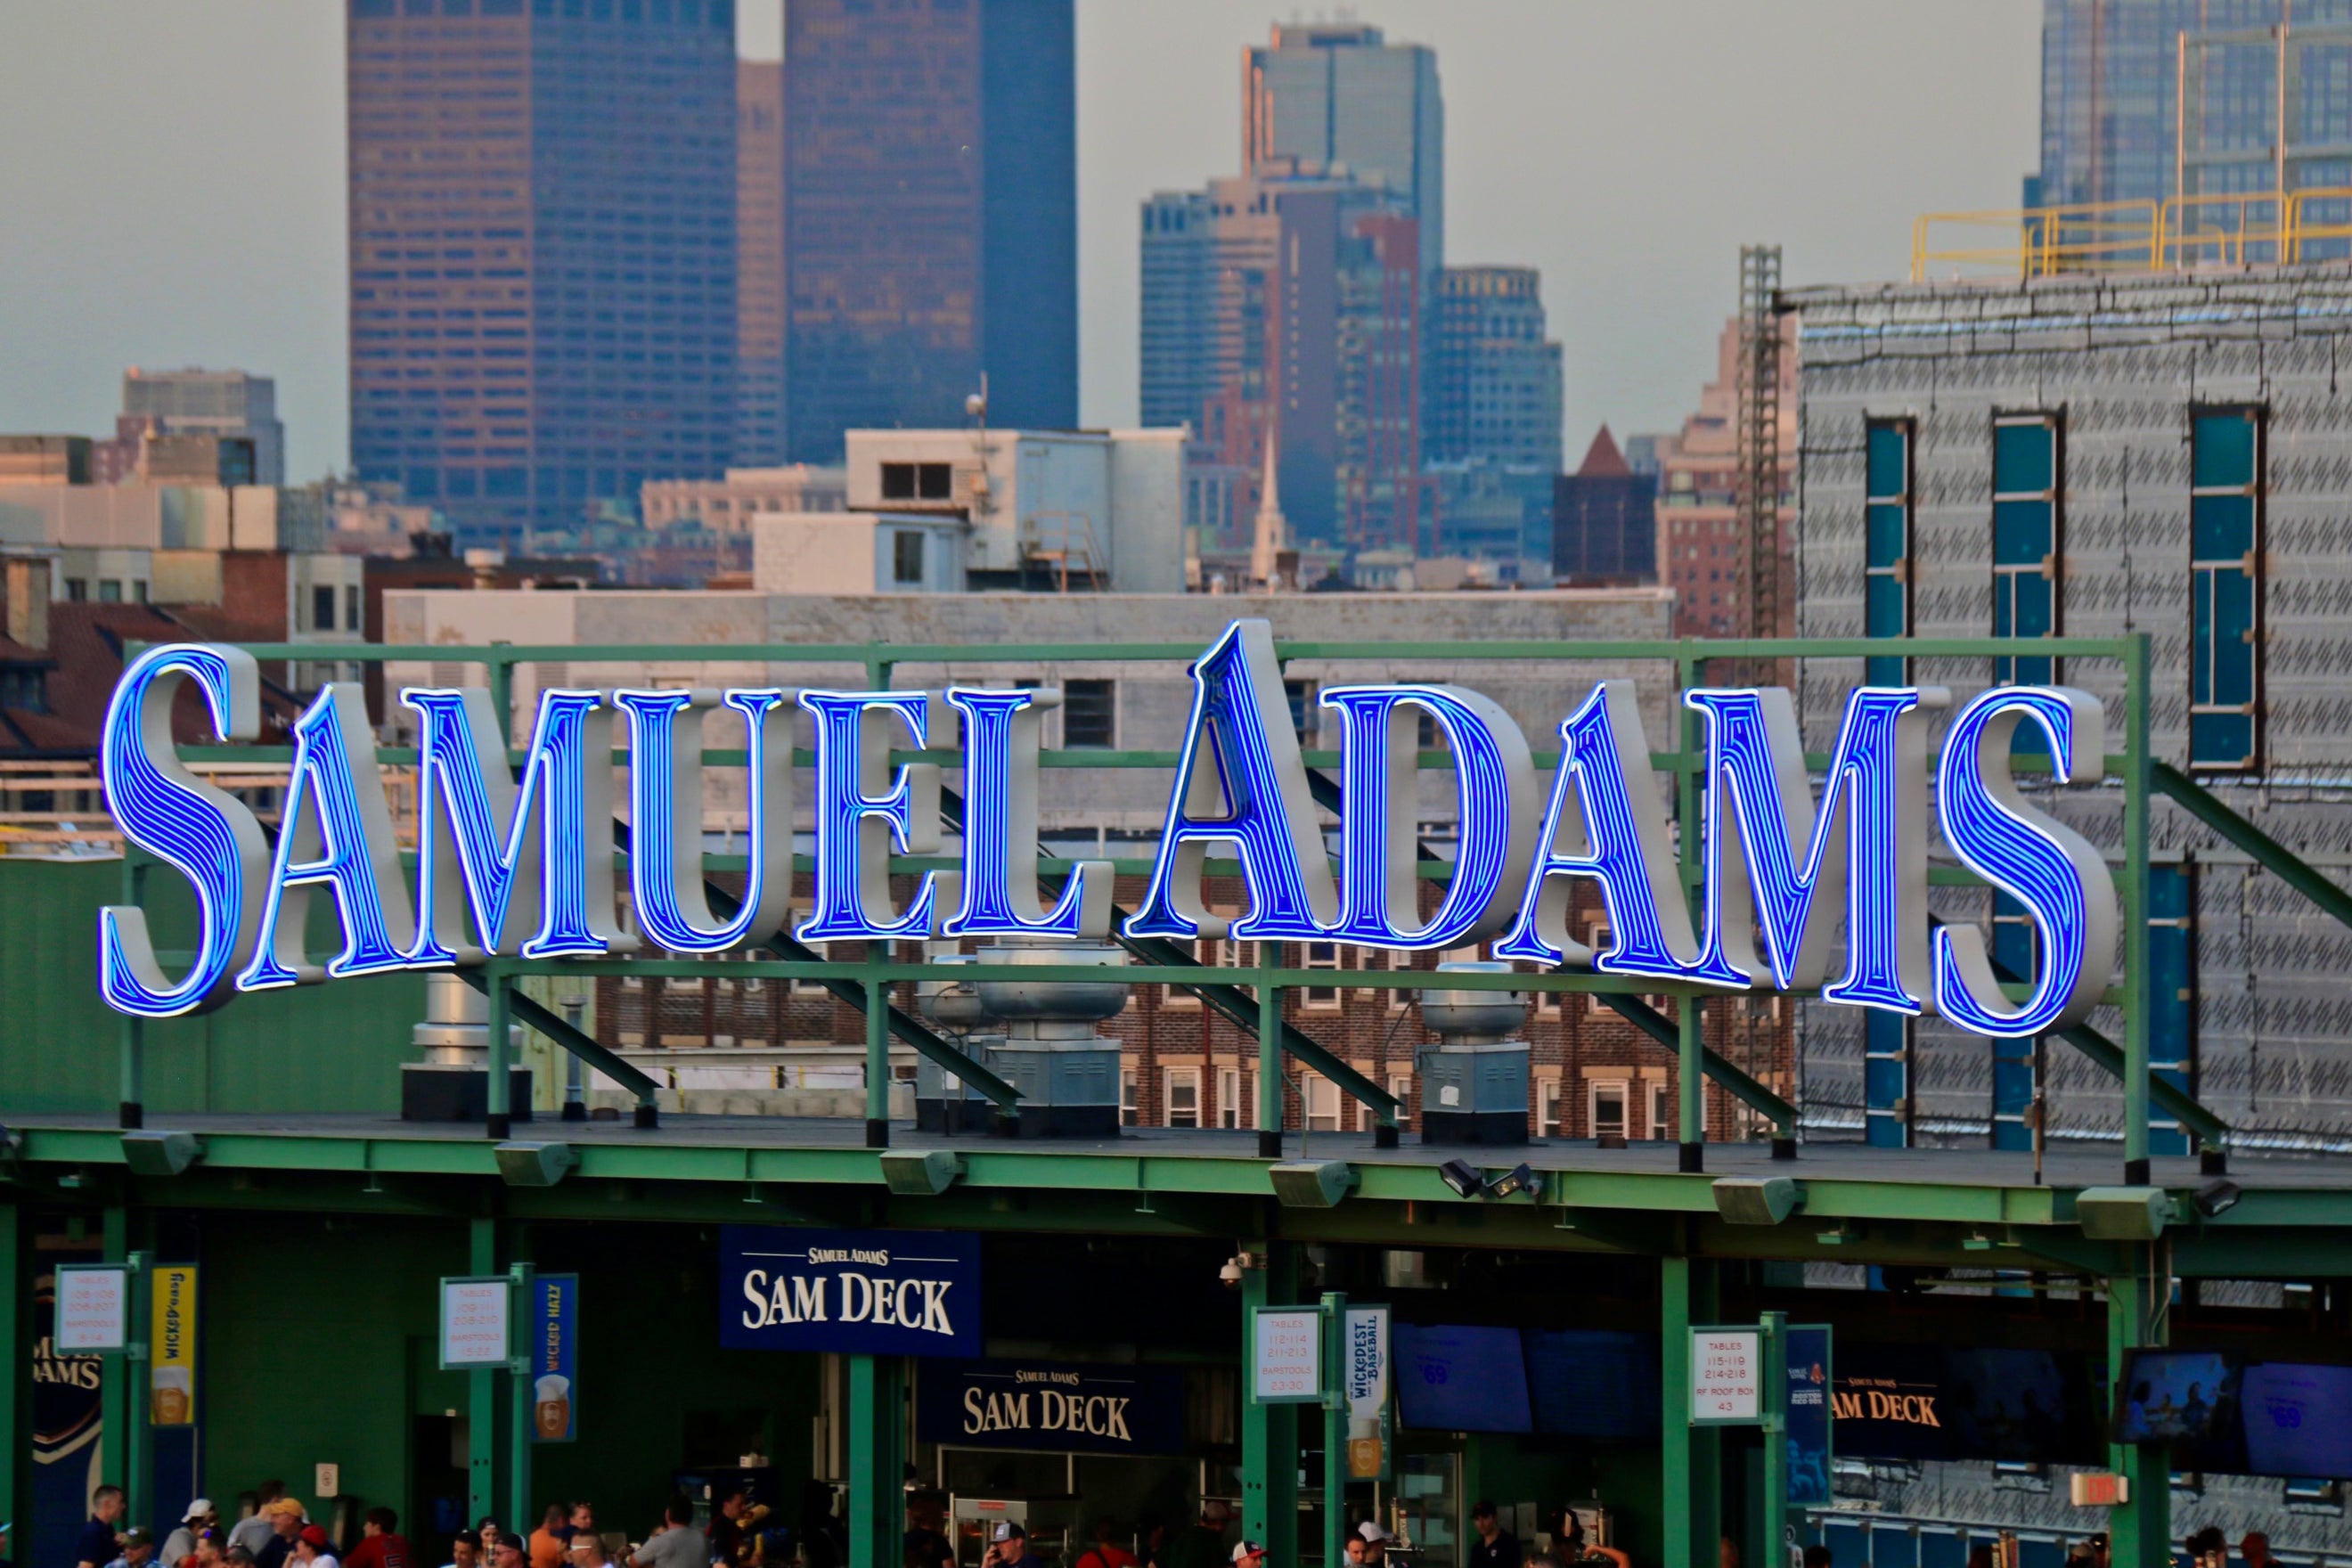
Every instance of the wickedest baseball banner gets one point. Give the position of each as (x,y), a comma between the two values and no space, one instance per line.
(854,1292)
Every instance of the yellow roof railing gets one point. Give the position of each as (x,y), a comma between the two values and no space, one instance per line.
(2180,234)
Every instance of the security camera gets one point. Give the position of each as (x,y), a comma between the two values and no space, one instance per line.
(1231,1274)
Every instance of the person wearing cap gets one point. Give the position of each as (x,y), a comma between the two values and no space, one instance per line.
(138,1548)
(181,1543)
(1008,1547)
(1375,1537)
(508,1552)
(1496,1547)
(313,1549)
(1248,1554)
(254,1531)
(287,1518)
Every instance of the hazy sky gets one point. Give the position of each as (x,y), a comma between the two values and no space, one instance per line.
(173,192)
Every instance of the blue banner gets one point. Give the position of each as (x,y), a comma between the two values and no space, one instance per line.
(1050,1406)
(554,1358)
(852,1292)
(1808,1348)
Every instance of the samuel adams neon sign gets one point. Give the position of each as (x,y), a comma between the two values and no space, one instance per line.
(520,865)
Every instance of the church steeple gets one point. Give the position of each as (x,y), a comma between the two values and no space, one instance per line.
(1271,537)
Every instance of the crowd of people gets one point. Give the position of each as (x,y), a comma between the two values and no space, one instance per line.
(275,1530)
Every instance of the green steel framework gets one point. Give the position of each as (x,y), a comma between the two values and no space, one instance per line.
(1923,1213)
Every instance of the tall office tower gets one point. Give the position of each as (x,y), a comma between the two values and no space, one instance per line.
(2117,74)
(207,402)
(543,252)
(759,293)
(1325,95)
(930,224)
(1289,301)
(1497,392)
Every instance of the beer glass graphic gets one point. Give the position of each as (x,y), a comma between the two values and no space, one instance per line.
(553,1407)
(172,1397)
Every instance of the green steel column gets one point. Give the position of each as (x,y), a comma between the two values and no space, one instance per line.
(1690,1021)
(1269,1432)
(877,1460)
(133,1110)
(2140,1533)
(1690,1458)
(1269,1060)
(1335,1429)
(15,1388)
(482,1396)
(1775,1326)
(520,1324)
(137,1429)
(114,1372)
(2137,1017)
(500,1121)
(877,1056)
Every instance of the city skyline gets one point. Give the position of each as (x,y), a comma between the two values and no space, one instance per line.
(1636,286)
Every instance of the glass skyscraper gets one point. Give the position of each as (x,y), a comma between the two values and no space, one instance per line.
(931,230)
(2146,99)
(543,251)
(1332,93)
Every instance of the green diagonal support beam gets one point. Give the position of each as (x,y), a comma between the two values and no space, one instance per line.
(2272,856)
(1720,1068)
(724,904)
(571,1037)
(2104,1053)
(1229,1002)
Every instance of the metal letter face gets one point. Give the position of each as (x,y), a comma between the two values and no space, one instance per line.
(1606,805)
(1771,861)
(666,818)
(856,826)
(474,833)
(1496,804)
(335,819)
(1256,800)
(2046,866)
(1000,827)
(199,830)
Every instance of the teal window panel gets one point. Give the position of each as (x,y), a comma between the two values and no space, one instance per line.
(2225,587)
(1887,544)
(2024,456)
(2025,543)
(1889,459)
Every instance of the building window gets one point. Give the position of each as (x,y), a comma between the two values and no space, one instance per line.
(2028,546)
(1323,955)
(1127,1108)
(1300,694)
(1400,1091)
(109,590)
(1886,542)
(1089,714)
(2225,586)
(351,606)
(1548,1108)
(916,482)
(1232,1108)
(1605,1100)
(1318,1100)
(322,609)
(907,555)
(76,589)
(1179,1096)
(1662,1119)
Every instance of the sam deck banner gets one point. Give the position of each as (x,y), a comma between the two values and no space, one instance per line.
(852,1292)
(1060,1408)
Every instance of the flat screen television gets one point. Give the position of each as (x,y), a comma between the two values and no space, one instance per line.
(1453,1378)
(2187,1400)
(2298,1419)
(1593,1382)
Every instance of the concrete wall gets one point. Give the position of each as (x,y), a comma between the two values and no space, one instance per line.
(1151,697)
